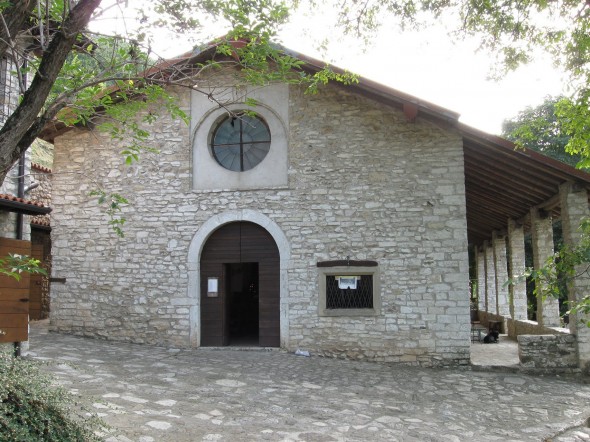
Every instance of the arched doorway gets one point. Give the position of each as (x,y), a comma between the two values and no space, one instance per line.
(240,287)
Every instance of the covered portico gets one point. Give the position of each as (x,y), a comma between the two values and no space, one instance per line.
(511,193)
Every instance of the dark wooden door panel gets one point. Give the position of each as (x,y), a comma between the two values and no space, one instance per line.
(222,246)
(212,308)
(241,242)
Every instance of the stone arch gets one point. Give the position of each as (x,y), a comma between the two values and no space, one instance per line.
(194,267)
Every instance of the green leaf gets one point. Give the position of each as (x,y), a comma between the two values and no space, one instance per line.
(114,202)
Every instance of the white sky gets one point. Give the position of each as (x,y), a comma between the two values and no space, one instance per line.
(425,64)
(454,75)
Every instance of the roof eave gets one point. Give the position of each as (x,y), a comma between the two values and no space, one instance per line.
(377,90)
(24,208)
(505,145)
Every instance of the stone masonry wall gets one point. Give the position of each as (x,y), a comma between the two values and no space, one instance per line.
(363,183)
(42,193)
(548,352)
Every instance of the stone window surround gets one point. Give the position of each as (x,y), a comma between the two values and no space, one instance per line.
(349,271)
(272,172)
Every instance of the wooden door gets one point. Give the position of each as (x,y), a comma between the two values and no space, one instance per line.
(259,246)
(14,296)
(240,242)
(213,309)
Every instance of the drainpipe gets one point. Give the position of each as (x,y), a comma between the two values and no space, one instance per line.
(19,221)
(21,173)
(20,194)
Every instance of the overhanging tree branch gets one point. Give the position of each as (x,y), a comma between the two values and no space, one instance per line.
(20,123)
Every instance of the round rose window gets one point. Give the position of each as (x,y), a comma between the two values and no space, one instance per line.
(240,142)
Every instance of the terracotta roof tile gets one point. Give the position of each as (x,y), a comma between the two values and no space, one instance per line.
(8,197)
(40,168)
(38,221)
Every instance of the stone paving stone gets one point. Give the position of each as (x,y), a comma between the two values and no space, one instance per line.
(149,394)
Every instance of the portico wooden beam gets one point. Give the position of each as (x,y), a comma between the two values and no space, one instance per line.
(410,111)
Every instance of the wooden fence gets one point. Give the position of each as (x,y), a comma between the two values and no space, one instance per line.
(14,296)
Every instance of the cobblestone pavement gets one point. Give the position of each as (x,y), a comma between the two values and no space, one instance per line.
(149,394)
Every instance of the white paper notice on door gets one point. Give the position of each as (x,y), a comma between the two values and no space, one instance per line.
(212,287)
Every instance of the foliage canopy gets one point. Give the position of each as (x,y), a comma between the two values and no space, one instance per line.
(538,128)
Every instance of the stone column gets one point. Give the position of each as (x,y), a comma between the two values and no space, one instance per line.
(574,207)
(542,235)
(517,290)
(501,272)
(481,280)
(491,302)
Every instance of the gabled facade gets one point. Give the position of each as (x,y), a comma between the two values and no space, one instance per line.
(335,223)
(347,187)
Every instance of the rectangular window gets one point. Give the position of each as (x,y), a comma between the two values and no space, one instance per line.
(349,290)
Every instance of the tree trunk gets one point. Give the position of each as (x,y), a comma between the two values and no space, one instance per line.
(25,123)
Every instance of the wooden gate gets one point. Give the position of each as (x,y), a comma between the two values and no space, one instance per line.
(240,242)
(14,296)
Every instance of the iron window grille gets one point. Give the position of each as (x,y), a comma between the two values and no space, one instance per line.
(349,298)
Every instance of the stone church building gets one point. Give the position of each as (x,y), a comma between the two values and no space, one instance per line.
(337,223)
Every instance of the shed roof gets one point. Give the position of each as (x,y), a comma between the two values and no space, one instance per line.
(502,182)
